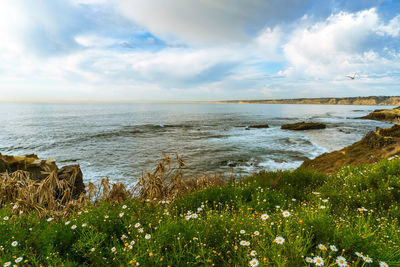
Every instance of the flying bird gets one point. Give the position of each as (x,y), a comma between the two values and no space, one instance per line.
(352,76)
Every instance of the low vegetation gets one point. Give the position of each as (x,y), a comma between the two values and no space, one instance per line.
(284,218)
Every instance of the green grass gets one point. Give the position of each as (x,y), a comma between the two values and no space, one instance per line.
(356,210)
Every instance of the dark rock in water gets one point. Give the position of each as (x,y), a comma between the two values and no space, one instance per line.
(303,126)
(73,174)
(259,126)
(39,170)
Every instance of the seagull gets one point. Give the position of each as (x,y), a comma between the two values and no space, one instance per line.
(352,77)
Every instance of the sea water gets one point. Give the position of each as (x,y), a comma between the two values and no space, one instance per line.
(120,141)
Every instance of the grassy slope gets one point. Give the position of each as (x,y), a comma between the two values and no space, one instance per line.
(323,210)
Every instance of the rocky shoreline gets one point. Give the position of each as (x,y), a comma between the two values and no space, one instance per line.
(387,115)
(39,170)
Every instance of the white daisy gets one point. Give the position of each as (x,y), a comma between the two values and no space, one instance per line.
(279,240)
(383,264)
(19,259)
(318,261)
(242,231)
(333,248)
(254,262)
(137,225)
(264,217)
(113,249)
(253,253)
(309,260)
(14,243)
(286,213)
(341,261)
(256,233)
(147,236)
(367,259)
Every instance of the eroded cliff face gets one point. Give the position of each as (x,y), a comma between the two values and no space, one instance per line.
(372,101)
(39,169)
(375,146)
(388,115)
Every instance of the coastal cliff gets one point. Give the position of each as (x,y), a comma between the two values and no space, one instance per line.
(370,101)
(387,115)
(375,146)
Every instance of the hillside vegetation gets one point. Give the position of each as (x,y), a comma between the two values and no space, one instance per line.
(290,218)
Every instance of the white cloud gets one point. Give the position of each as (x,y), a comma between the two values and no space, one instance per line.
(392,28)
(209,21)
(336,47)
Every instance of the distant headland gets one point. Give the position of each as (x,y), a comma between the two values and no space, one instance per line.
(368,100)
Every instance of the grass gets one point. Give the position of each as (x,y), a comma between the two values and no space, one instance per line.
(282,218)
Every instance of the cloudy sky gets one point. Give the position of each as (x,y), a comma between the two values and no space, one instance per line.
(163,50)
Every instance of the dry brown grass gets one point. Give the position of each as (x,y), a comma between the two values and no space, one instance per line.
(54,197)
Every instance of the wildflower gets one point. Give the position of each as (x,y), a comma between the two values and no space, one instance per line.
(318,261)
(6,218)
(124,207)
(362,209)
(50,219)
(367,259)
(286,213)
(14,243)
(324,200)
(113,249)
(106,217)
(84,225)
(309,260)
(256,233)
(360,255)
(121,214)
(133,242)
(137,225)
(264,217)
(242,231)
(279,240)
(383,264)
(322,207)
(7,264)
(123,237)
(68,222)
(254,262)
(140,230)
(333,248)
(147,236)
(130,247)
(194,216)
(19,259)
(73,227)
(92,249)
(253,253)
(244,243)
(341,261)
(322,247)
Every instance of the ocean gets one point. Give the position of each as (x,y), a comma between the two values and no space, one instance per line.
(120,141)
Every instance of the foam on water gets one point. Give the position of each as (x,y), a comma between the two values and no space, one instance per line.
(122,140)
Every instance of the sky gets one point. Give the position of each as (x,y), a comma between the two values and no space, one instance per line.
(183,50)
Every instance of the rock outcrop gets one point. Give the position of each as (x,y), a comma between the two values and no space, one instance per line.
(39,170)
(303,126)
(261,126)
(375,146)
(387,115)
